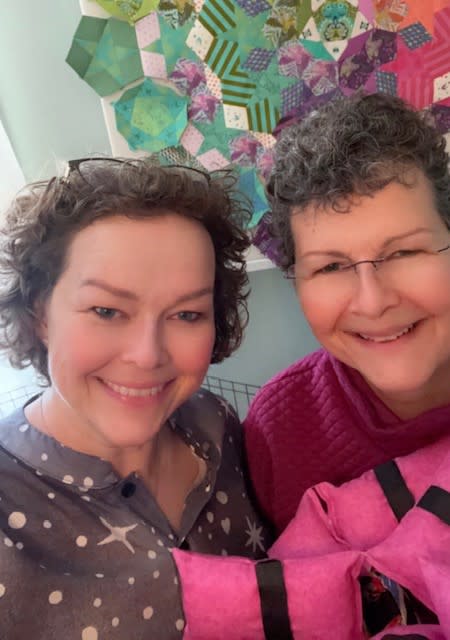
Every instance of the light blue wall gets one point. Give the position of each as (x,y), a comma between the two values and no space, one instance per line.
(277,333)
(48,112)
(50,115)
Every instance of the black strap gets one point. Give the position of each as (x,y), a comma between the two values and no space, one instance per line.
(273,597)
(394,488)
(437,501)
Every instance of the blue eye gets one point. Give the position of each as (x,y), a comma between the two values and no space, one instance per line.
(106,313)
(189,316)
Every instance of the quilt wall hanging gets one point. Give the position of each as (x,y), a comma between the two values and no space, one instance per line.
(211,82)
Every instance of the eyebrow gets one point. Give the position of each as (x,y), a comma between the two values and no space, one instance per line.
(129,295)
(386,243)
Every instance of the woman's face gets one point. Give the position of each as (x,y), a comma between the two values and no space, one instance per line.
(129,328)
(391,323)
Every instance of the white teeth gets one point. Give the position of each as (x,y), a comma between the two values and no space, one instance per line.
(137,393)
(387,338)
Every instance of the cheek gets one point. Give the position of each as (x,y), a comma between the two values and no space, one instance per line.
(435,299)
(193,355)
(322,312)
(75,351)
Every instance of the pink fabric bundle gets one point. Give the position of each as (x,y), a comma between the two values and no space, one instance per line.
(337,535)
(221,598)
(415,632)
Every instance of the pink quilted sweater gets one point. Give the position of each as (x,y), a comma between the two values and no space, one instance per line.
(319,421)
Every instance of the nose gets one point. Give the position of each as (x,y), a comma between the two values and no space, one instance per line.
(145,345)
(372,295)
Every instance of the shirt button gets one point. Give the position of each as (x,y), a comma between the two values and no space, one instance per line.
(128,489)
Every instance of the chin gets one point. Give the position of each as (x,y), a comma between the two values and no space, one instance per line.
(398,386)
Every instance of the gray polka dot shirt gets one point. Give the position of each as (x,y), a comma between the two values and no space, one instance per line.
(86,554)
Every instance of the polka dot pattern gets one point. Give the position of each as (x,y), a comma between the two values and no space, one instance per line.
(17,520)
(86,533)
(147,613)
(55,597)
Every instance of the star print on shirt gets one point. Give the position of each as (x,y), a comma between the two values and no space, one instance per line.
(226,407)
(255,537)
(117,534)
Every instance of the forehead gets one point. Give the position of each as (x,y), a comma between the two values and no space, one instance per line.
(370,220)
(133,253)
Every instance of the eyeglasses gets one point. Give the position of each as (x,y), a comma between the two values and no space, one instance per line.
(84,166)
(397,266)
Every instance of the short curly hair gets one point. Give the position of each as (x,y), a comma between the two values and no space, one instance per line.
(353,146)
(44,218)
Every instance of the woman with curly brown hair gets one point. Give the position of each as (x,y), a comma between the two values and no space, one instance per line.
(122,282)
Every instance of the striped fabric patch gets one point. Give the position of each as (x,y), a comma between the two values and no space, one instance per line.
(263,116)
(217,16)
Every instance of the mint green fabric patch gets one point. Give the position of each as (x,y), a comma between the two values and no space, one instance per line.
(105,54)
(172,44)
(250,184)
(216,134)
(151,116)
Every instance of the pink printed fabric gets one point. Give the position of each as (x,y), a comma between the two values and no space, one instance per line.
(337,535)
(221,601)
(318,421)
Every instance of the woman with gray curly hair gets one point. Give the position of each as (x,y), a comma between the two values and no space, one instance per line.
(361,204)
(122,282)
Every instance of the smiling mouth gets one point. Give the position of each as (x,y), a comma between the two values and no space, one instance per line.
(390,338)
(133,392)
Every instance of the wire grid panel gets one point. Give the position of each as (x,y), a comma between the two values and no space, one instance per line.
(16,398)
(238,394)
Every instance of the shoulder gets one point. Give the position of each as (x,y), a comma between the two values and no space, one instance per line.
(11,427)
(300,371)
(301,383)
(205,404)
(209,415)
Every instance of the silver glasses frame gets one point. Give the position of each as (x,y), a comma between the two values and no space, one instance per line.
(74,165)
(289,274)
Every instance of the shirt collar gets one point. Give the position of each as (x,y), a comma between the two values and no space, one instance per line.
(199,421)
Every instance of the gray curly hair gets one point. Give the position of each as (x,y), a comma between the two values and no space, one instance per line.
(355,145)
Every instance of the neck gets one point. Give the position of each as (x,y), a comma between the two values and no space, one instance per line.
(409,405)
(146,460)
(50,416)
